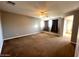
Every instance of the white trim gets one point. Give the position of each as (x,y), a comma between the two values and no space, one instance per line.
(20,36)
(73,42)
(0,50)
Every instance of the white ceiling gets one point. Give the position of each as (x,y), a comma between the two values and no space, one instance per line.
(33,8)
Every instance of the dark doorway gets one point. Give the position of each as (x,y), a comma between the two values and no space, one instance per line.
(46,28)
(54,26)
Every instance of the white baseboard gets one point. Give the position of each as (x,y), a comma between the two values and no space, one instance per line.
(73,42)
(0,50)
(21,36)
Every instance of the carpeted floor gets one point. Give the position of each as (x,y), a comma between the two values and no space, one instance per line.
(39,45)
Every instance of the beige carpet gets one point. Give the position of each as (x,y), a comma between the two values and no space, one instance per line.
(42,44)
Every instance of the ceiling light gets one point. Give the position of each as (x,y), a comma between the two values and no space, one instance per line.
(43,13)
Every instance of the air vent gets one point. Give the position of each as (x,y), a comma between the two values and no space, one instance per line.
(11,3)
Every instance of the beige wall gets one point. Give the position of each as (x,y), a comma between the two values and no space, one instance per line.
(76,33)
(1,38)
(74,38)
(60,26)
(74,29)
(77,46)
(18,25)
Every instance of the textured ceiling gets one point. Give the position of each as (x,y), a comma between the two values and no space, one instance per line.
(33,8)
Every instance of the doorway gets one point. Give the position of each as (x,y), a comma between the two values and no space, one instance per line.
(68,23)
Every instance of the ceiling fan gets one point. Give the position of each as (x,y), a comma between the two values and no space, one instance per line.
(11,3)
